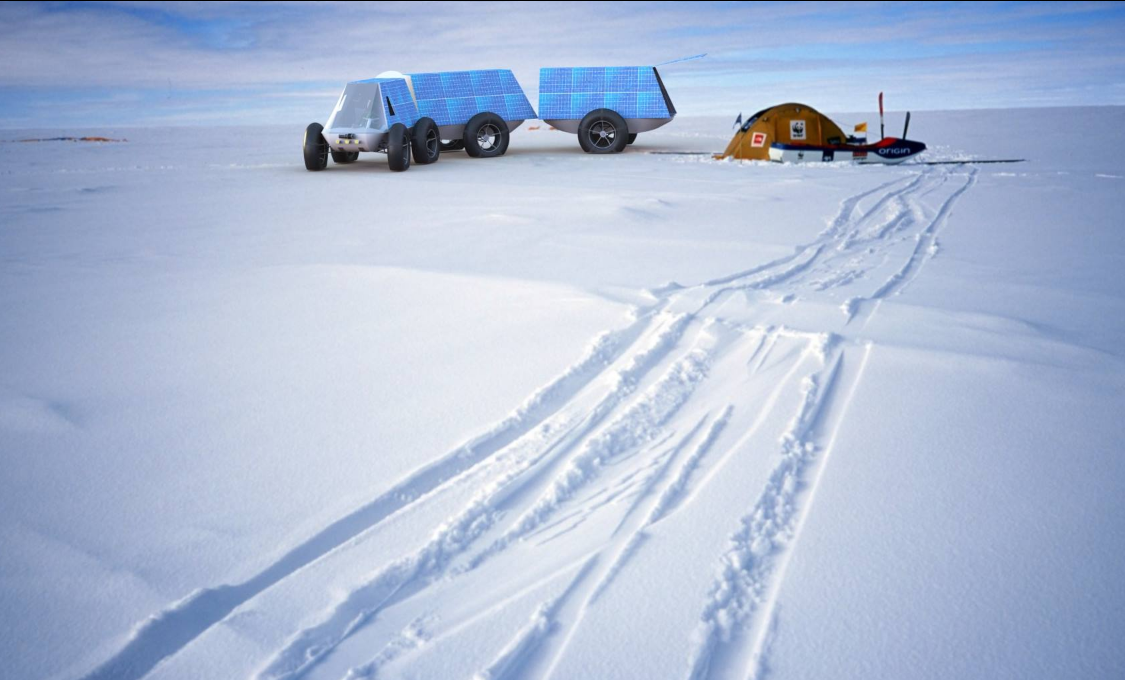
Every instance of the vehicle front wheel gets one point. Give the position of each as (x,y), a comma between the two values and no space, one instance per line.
(486,136)
(315,148)
(603,131)
(632,137)
(398,148)
(425,142)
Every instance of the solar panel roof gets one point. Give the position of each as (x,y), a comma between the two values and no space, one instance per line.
(453,97)
(570,93)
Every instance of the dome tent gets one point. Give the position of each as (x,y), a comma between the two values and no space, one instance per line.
(784,124)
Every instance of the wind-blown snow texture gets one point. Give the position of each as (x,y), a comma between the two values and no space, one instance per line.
(562,416)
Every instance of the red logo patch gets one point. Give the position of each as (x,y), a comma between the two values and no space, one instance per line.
(758,139)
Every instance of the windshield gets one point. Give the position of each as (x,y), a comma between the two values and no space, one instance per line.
(355,110)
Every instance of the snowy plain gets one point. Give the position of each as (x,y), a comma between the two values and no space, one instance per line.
(562,416)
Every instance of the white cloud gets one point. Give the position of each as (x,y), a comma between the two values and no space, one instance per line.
(994,55)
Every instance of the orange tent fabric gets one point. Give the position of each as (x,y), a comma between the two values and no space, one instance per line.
(786,123)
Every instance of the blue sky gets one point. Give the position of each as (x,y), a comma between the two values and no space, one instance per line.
(98,64)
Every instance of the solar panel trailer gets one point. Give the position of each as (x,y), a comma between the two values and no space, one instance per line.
(405,115)
(606,106)
(469,107)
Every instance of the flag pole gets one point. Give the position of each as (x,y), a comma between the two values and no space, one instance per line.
(882,133)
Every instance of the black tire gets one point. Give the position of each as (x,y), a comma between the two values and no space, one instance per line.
(632,137)
(344,157)
(454,145)
(425,142)
(486,136)
(603,131)
(315,148)
(398,148)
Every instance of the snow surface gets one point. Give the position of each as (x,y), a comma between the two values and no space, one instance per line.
(557,415)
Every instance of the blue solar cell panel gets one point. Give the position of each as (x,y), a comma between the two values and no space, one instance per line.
(621,79)
(555,80)
(571,93)
(588,80)
(457,84)
(461,109)
(620,101)
(509,85)
(651,105)
(466,93)
(587,101)
(646,81)
(495,104)
(427,85)
(518,107)
(554,105)
(486,83)
(434,108)
(402,103)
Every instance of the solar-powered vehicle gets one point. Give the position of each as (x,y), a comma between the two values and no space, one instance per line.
(411,115)
(607,107)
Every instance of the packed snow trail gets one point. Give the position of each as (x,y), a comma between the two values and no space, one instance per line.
(167,632)
(585,471)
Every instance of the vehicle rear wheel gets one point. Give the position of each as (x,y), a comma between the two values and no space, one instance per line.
(603,131)
(486,136)
(425,142)
(344,157)
(315,148)
(453,145)
(398,148)
(632,137)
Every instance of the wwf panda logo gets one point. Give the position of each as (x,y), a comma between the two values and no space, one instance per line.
(796,129)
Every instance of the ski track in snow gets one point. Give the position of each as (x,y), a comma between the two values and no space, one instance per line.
(745,581)
(624,431)
(168,631)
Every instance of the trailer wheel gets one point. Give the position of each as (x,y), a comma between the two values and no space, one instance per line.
(398,148)
(632,137)
(344,157)
(315,148)
(425,142)
(603,131)
(486,136)
(452,145)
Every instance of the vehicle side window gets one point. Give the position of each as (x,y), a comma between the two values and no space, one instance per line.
(375,117)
